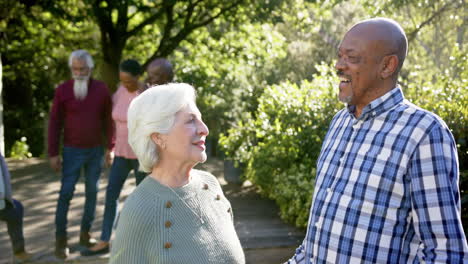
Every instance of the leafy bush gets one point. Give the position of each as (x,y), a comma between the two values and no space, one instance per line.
(281,141)
(20,149)
(446,95)
(280,145)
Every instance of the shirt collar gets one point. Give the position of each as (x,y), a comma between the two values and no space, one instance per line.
(381,104)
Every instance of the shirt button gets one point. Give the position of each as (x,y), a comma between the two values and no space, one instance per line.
(168,204)
(205,186)
(421,246)
(167,245)
(317,224)
(328,190)
(168,224)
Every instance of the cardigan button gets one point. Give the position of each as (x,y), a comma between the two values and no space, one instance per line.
(168,204)
(218,197)
(167,245)
(205,186)
(229,210)
(168,224)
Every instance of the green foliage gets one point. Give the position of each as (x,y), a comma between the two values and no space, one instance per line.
(34,47)
(36,38)
(446,95)
(259,69)
(280,158)
(20,149)
(230,68)
(281,143)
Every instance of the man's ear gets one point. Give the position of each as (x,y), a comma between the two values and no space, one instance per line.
(389,66)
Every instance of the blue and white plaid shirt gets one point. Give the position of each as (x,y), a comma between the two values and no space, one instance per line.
(386,189)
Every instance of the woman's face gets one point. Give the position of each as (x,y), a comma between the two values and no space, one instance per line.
(128,81)
(186,140)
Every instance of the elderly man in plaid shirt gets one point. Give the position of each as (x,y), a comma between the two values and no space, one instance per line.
(387,176)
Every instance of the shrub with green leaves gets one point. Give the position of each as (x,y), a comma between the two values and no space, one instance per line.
(20,149)
(280,145)
(445,94)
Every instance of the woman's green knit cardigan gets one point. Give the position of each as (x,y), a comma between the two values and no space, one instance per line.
(157,226)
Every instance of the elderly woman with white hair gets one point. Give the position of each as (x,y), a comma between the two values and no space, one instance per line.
(177,214)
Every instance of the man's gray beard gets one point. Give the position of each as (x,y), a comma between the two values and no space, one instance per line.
(347,100)
(80,87)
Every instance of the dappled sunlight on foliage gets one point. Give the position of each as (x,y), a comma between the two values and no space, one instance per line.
(263,72)
(280,145)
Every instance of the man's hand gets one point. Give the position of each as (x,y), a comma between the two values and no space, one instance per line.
(109,158)
(55,163)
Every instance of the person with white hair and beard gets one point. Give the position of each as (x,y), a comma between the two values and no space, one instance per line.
(82,109)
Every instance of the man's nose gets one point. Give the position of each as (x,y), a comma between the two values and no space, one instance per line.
(340,64)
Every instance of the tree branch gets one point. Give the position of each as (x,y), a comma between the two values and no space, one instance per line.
(148,21)
(221,12)
(122,18)
(438,13)
(169,44)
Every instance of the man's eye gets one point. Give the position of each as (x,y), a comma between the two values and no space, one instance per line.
(353,59)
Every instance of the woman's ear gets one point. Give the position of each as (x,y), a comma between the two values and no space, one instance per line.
(157,138)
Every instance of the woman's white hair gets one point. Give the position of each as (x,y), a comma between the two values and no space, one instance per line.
(81,55)
(154,111)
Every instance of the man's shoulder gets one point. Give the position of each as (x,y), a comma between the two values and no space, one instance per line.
(420,119)
(421,114)
(67,83)
(98,83)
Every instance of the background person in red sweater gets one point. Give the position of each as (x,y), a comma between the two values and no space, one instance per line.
(82,110)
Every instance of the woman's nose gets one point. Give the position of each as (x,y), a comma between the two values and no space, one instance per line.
(203,129)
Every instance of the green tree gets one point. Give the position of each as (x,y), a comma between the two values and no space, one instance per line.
(38,36)
(163,23)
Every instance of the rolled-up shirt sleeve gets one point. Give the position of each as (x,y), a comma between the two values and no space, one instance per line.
(299,256)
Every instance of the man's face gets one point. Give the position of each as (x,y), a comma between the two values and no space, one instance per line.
(357,67)
(80,69)
(156,75)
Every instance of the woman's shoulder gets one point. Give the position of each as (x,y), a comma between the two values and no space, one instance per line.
(117,92)
(206,177)
(142,201)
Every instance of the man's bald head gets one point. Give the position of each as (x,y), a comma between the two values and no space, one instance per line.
(388,36)
(159,71)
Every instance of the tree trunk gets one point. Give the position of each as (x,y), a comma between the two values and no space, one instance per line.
(109,73)
(2,135)
(112,49)
(461,29)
